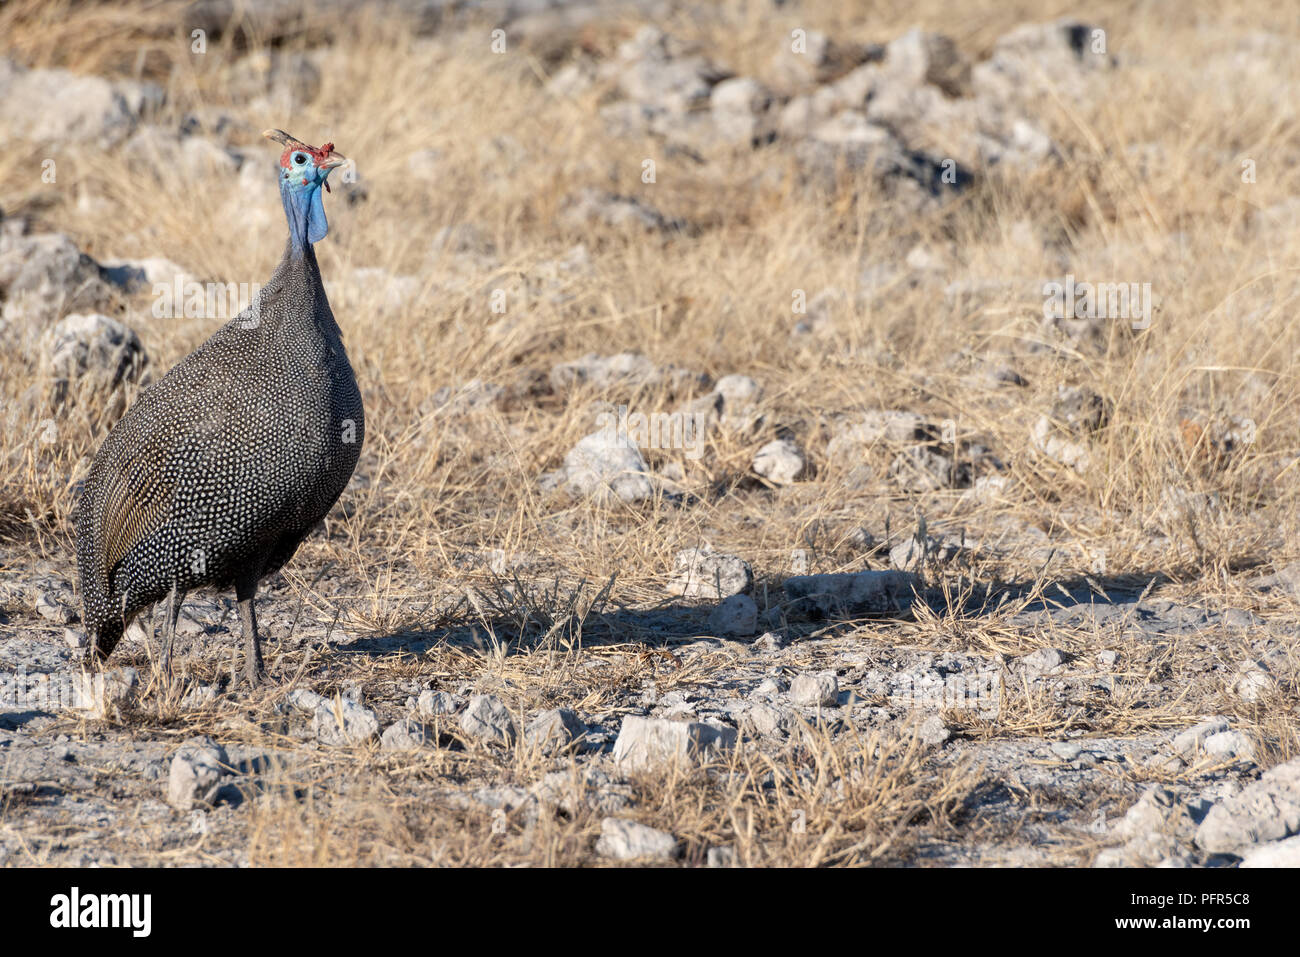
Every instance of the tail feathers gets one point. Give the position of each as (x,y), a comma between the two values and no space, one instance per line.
(104,617)
(104,638)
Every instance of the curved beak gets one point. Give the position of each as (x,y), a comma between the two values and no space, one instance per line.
(334,160)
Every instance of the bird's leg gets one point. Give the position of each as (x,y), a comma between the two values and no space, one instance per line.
(174,601)
(245,589)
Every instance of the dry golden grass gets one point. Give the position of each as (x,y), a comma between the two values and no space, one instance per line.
(714,300)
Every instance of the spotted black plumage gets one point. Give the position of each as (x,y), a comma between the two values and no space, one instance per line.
(219,470)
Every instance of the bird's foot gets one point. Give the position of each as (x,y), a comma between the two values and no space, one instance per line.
(252,675)
(168,680)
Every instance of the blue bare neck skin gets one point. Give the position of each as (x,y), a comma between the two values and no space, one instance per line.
(306,217)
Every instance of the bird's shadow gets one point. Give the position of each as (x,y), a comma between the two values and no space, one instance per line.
(676,622)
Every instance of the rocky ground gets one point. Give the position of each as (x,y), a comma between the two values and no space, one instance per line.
(744,483)
(1082,751)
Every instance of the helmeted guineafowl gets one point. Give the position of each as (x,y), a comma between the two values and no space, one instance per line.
(221,468)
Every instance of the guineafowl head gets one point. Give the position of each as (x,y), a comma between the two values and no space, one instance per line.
(303,171)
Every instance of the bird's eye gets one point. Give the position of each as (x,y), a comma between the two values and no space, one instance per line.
(299,158)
